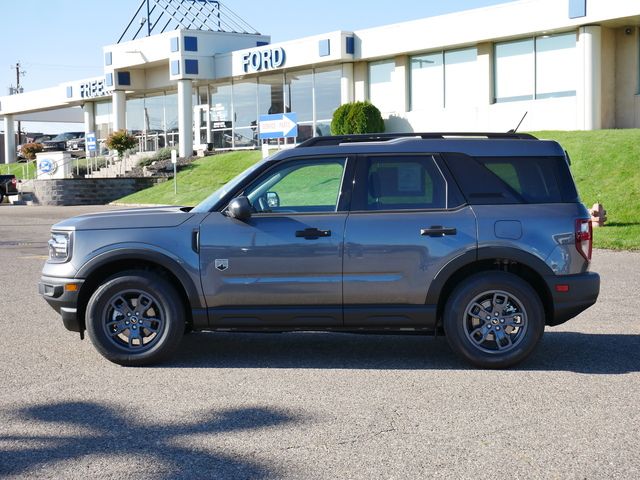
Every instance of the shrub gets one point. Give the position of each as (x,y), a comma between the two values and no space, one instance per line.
(121,141)
(356,118)
(338,123)
(29,150)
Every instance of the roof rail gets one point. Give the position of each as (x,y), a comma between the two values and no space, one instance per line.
(383,137)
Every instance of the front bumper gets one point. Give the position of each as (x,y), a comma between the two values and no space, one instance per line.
(581,292)
(63,299)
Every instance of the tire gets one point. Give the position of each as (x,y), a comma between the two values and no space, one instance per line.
(488,340)
(127,335)
(1,197)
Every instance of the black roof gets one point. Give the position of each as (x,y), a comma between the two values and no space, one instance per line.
(383,137)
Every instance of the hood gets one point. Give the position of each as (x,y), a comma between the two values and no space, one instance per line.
(154,217)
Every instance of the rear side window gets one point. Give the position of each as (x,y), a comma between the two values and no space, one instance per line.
(508,180)
(404,183)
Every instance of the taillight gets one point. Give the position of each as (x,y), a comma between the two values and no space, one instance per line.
(14,181)
(584,237)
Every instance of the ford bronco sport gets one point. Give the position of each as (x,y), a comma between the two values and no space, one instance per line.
(483,236)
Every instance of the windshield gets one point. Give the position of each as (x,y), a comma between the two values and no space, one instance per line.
(208,203)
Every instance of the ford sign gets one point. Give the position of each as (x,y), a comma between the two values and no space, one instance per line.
(260,60)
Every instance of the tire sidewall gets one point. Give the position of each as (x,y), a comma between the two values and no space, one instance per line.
(454,318)
(169,302)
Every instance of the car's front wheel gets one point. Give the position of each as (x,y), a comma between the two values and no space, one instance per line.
(494,319)
(135,318)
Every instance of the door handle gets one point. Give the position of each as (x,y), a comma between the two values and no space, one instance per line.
(312,233)
(438,231)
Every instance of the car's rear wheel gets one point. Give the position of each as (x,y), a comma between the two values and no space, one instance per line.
(135,318)
(494,319)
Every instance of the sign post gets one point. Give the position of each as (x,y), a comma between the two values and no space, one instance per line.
(174,160)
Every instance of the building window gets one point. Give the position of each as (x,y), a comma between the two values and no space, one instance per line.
(124,78)
(444,79)
(191,67)
(514,70)
(324,48)
(245,113)
(271,94)
(190,44)
(175,67)
(175,44)
(108,79)
(536,68)
(108,58)
(327,98)
(460,74)
(381,89)
(556,66)
(427,81)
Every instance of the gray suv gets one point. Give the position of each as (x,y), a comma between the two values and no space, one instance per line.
(481,235)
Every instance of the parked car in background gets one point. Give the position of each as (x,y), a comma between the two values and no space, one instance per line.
(77,144)
(59,142)
(8,186)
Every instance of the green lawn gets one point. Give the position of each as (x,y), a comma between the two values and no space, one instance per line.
(198,180)
(605,165)
(606,168)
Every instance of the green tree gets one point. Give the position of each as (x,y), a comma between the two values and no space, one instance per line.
(121,141)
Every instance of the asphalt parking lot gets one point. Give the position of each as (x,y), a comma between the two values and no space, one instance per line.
(312,405)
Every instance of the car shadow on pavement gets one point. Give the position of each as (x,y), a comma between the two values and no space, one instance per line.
(558,351)
(123,438)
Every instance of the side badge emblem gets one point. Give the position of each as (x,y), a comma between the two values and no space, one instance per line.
(222,264)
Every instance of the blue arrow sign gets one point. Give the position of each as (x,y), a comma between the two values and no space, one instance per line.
(281,125)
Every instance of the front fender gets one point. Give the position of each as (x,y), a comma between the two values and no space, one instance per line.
(187,274)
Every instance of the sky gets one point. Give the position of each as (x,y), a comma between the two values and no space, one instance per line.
(61,40)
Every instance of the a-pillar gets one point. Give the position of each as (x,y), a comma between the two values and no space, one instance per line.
(119,101)
(185,117)
(9,140)
(589,91)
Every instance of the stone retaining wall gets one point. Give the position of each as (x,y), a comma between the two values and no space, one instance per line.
(88,191)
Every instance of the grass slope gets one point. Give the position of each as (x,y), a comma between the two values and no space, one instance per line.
(605,165)
(198,180)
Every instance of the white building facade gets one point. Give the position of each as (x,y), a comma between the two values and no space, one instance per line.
(568,64)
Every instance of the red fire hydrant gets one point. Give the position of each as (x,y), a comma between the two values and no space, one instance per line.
(598,215)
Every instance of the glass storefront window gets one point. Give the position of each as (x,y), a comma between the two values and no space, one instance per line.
(171,119)
(381,89)
(327,91)
(221,110)
(135,115)
(103,119)
(427,81)
(270,94)
(299,94)
(154,113)
(245,113)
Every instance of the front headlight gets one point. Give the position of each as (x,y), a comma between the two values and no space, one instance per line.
(60,247)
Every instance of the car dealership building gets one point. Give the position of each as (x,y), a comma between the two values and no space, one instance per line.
(571,64)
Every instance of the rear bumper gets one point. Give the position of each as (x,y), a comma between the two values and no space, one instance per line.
(62,299)
(583,290)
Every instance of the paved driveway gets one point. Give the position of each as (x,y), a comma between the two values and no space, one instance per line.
(309,405)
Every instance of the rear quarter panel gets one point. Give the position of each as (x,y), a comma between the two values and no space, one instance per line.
(546,231)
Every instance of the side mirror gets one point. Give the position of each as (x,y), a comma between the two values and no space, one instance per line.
(273,200)
(240,209)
